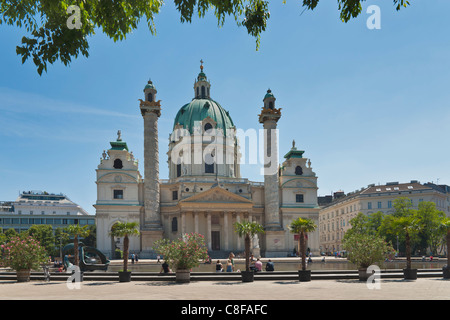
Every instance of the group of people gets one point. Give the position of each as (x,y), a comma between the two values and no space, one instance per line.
(230,266)
(134,257)
(255,265)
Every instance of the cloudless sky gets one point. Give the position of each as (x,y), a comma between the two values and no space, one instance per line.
(367,106)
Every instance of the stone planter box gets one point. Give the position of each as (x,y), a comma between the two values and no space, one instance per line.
(124,276)
(446,272)
(363,275)
(304,275)
(247,276)
(183,276)
(410,274)
(23,275)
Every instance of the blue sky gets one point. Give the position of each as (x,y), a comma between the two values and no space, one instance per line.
(367,106)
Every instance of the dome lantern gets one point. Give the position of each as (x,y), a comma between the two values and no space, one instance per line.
(150,91)
(202,85)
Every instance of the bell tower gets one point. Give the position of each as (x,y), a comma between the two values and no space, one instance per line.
(151,229)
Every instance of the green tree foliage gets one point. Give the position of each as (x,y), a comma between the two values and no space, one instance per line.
(426,234)
(408,226)
(366,249)
(10,233)
(430,235)
(61,240)
(184,253)
(363,241)
(91,239)
(43,234)
(51,34)
(444,228)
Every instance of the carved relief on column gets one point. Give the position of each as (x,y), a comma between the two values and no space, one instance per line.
(150,114)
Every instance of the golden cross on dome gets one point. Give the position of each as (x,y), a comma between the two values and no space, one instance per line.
(201,66)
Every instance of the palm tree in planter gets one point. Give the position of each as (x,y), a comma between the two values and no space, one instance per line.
(247,230)
(445,226)
(302,226)
(125,230)
(407,226)
(77,232)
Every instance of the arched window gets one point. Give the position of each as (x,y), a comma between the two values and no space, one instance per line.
(198,92)
(208,126)
(298,170)
(270,104)
(118,164)
(150,97)
(203,91)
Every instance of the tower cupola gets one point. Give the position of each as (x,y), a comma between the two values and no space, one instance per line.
(269,100)
(150,92)
(202,85)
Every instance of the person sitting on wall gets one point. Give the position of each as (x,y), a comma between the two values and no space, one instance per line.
(165,268)
(219,267)
(270,266)
(258,265)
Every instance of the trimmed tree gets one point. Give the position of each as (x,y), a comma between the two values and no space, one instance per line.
(302,226)
(365,250)
(77,231)
(125,230)
(247,230)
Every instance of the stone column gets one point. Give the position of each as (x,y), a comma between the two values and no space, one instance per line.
(208,230)
(196,222)
(271,185)
(151,171)
(274,235)
(225,231)
(183,223)
(151,230)
(238,242)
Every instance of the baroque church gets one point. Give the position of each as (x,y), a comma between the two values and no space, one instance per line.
(205,191)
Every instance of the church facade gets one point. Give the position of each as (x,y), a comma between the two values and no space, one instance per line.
(205,191)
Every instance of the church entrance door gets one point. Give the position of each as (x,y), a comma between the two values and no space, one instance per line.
(215,240)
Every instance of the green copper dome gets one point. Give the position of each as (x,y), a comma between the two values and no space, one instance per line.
(201,76)
(269,94)
(149,85)
(198,110)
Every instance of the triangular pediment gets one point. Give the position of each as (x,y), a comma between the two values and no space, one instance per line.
(216,195)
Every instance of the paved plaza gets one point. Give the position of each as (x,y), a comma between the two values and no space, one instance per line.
(389,289)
